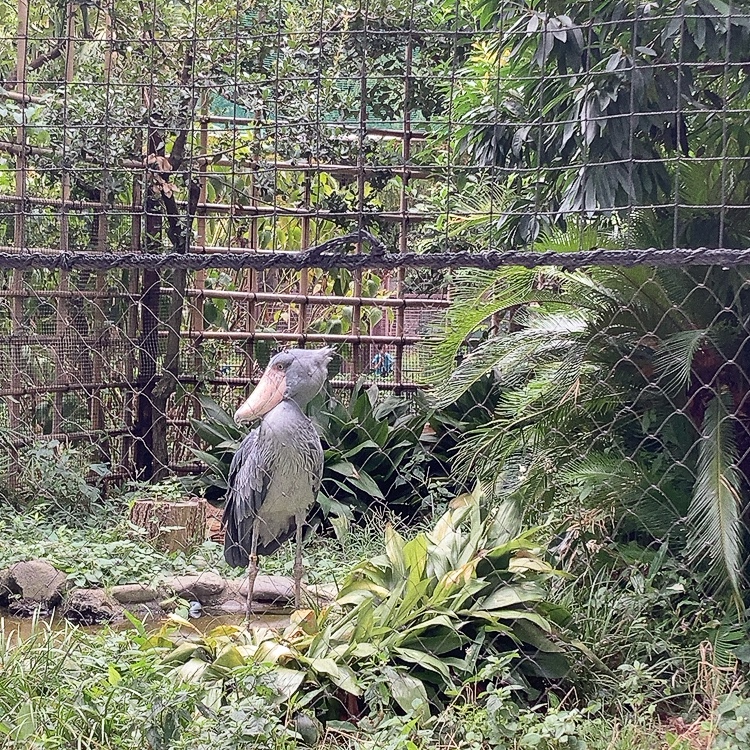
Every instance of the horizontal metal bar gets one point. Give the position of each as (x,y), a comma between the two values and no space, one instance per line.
(20,441)
(36,390)
(335,383)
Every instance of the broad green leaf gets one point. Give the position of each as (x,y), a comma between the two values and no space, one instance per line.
(340,675)
(509,596)
(408,692)
(113,676)
(415,556)
(193,670)
(284,682)
(425,660)
(367,484)
(395,549)
(230,656)
(344,468)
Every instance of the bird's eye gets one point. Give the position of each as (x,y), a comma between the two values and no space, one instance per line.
(279,366)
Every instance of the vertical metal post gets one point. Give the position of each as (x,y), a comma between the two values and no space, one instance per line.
(403,235)
(251,285)
(97,405)
(357,364)
(197,304)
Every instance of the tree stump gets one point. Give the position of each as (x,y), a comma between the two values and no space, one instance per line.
(171,526)
(214,531)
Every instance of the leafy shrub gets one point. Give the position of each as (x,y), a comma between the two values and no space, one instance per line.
(69,688)
(104,551)
(56,477)
(373,453)
(732,724)
(410,627)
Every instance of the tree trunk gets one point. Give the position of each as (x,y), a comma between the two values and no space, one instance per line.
(167,383)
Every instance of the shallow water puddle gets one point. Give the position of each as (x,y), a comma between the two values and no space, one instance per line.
(25,627)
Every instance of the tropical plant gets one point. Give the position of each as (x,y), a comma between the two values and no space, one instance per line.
(55,477)
(590,103)
(409,627)
(373,453)
(624,390)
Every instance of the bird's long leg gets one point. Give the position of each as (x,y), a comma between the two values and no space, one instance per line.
(298,570)
(252,568)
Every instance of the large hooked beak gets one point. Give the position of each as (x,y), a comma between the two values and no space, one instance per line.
(268,393)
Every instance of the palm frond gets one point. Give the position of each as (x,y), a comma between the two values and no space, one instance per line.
(575,238)
(512,355)
(674,359)
(714,521)
(479,295)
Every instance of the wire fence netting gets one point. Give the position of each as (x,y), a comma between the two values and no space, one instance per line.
(524,228)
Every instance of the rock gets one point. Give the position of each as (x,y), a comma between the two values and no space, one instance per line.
(270,589)
(232,606)
(91,607)
(5,590)
(133,593)
(204,587)
(37,581)
(27,608)
(321,593)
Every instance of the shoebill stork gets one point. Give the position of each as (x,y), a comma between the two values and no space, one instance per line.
(275,474)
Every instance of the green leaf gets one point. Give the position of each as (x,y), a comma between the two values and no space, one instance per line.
(366,483)
(714,518)
(340,675)
(285,682)
(512,595)
(408,692)
(425,660)
(344,468)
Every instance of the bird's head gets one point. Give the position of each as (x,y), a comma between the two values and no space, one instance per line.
(296,374)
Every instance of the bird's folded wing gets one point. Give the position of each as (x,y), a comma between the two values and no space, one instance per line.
(247,479)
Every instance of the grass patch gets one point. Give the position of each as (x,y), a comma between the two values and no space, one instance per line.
(105,549)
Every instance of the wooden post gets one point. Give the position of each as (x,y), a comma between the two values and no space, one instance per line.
(148,345)
(62,376)
(403,235)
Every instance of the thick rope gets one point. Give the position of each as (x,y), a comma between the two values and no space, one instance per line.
(328,255)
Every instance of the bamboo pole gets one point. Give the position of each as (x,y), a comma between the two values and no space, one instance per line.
(19,221)
(403,233)
(251,282)
(62,376)
(326,338)
(317,299)
(304,274)
(197,309)
(96,404)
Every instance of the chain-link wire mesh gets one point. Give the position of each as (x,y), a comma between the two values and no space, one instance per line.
(526,224)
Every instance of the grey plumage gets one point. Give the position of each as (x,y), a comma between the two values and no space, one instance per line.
(275,474)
